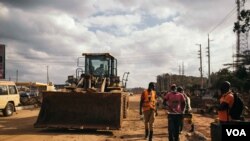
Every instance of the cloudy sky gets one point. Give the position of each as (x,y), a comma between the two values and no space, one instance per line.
(148,37)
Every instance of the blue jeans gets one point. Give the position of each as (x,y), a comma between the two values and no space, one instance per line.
(174,122)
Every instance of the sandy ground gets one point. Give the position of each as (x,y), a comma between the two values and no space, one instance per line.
(19,127)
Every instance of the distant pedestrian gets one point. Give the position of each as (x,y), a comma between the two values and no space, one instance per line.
(226,102)
(149,108)
(187,100)
(187,109)
(176,106)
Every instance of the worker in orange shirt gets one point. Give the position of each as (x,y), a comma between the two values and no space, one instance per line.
(148,105)
(226,102)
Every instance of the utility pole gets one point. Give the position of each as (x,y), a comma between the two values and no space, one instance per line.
(47,74)
(200,69)
(183,70)
(179,69)
(208,55)
(16,75)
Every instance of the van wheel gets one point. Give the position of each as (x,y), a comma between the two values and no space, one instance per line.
(9,109)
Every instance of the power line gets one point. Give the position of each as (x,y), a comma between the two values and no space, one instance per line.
(38,62)
(224,19)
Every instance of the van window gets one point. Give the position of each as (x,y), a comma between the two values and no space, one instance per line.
(12,89)
(3,90)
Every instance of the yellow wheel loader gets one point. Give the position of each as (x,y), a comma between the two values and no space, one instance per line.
(95,98)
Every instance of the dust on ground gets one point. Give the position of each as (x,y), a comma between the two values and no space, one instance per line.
(19,127)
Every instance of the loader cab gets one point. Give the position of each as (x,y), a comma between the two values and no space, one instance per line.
(101,64)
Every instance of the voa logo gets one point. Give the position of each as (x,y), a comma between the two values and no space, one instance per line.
(236,132)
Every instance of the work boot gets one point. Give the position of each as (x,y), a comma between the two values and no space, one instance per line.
(146,133)
(150,135)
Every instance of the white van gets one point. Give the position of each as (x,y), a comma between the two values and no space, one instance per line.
(9,97)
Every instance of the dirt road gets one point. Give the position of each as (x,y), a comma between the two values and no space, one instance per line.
(19,127)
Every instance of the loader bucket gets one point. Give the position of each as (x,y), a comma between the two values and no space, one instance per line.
(78,110)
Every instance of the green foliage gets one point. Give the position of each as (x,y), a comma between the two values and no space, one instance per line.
(239,79)
(241,73)
(220,76)
(244,58)
(244,24)
(246,85)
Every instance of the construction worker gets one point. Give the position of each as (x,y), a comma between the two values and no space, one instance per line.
(148,105)
(175,104)
(187,109)
(99,70)
(226,102)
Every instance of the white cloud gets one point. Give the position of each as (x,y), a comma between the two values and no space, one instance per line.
(147,37)
(4,11)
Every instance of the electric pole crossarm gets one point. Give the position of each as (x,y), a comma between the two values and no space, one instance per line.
(200,69)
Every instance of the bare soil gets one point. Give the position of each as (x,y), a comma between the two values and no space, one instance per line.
(19,127)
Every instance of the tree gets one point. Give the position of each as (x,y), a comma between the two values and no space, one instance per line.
(245,58)
(245,20)
(221,76)
(241,73)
